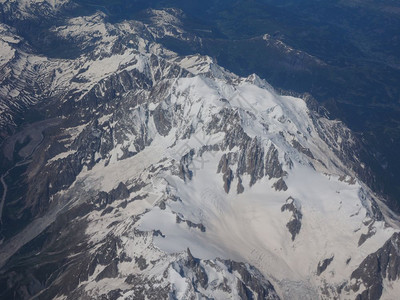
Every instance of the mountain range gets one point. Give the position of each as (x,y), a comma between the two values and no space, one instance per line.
(132,171)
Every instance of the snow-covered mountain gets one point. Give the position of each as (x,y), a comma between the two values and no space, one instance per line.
(31,9)
(158,176)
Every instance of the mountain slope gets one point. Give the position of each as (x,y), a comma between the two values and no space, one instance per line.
(160,176)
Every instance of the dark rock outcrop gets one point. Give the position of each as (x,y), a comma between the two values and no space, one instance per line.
(280,185)
(250,286)
(162,120)
(302,149)
(103,198)
(294,224)
(322,265)
(382,265)
(184,171)
(273,167)
(110,271)
(189,223)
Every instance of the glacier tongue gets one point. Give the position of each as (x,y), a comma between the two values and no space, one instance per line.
(170,176)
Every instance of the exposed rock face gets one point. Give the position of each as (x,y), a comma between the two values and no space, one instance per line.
(103,198)
(191,224)
(280,185)
(294,224)
(251,160)
(246,280)
(141,262)
(110,271)
(228,177)
(184,169)
(249,286)
(382,265)
(322,265)
(273,167)
(162,120)
(345,145)
(240,188)
(365,236)
(302,149)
